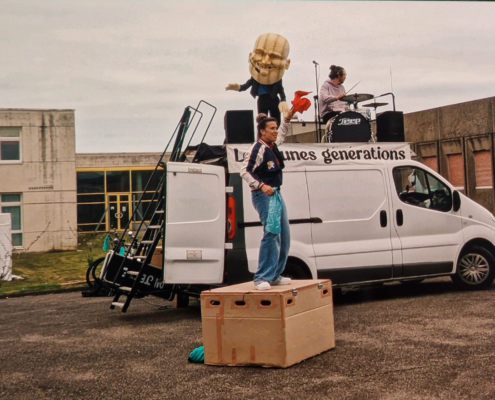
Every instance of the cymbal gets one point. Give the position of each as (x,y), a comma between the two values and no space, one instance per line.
(357,97)
(375,105)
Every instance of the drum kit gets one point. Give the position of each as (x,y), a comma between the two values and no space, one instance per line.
(353,125)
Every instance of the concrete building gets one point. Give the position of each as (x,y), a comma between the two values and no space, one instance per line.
(38,178)
(457,141)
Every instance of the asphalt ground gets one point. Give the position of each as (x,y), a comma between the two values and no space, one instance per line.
(392,343)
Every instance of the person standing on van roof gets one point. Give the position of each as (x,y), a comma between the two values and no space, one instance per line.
(262,170)
(331,92)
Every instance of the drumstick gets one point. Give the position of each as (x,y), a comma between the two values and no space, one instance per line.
(353,87)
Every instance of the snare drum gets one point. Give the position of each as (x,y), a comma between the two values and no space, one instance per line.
(349,126)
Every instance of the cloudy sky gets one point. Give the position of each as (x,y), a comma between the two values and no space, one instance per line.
(129,68)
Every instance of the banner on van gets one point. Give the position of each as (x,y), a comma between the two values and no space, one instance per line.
(299,155)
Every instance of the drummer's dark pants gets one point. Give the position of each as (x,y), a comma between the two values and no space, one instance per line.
(329,115)
(267,104)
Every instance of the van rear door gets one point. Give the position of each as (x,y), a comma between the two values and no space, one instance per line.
(195,224)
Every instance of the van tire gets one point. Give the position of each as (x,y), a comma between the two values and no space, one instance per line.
(181,300)
(337,294)
(295,271)
(475,269)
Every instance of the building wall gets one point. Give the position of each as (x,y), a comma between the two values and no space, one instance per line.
(458,140)
(96,160)
(45,177)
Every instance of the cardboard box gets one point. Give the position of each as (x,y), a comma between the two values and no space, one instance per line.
(156,258)
(270,328)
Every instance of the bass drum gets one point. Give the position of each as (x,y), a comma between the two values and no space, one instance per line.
(350,126)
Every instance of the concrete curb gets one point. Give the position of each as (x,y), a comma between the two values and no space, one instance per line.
(41,292)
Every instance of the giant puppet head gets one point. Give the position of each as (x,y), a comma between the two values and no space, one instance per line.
(268,61)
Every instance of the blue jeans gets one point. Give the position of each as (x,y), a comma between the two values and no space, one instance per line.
(274,248)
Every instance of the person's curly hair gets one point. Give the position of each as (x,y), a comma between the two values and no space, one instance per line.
(335,71)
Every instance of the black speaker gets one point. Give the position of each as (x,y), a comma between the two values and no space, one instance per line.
(390,126)
(239,126)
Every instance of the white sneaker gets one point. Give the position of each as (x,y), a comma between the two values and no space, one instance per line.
(284,281)
(262,286)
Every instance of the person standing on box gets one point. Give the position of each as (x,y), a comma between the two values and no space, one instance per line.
(262,170)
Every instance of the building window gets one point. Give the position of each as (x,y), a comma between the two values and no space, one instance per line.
(10,144)
(456,170)
(91,201)
(106,199)
(431,162)
(11,204)
(117,181)
(483,169)
(91,182)
(141,178)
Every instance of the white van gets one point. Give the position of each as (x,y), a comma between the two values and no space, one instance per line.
(358,213)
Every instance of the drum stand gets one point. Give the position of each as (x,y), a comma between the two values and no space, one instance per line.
(317,120)
(375,105)
(317,111)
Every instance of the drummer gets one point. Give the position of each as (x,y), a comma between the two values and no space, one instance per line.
(330,94)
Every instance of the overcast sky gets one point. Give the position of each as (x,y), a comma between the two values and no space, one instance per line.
(129,68)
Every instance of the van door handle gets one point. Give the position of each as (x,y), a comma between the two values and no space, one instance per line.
(400,217)
(383,218)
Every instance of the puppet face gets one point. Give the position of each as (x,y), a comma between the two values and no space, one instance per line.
(268,61)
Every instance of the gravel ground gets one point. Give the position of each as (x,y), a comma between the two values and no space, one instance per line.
(392,343)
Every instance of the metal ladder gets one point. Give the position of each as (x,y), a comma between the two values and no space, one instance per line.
(133,265)
(145,249)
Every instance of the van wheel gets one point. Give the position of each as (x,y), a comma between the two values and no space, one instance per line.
(295,271)
(475,269)
(337,294)
(181,300)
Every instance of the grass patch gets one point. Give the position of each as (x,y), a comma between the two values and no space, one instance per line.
(46,271)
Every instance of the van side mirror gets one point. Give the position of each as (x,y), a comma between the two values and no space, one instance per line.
(457,201)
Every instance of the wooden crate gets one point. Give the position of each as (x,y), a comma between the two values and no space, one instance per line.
(270,328)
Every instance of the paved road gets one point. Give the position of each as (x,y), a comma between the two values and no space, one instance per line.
(393,343)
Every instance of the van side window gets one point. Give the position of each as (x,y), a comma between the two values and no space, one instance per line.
(419,188)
